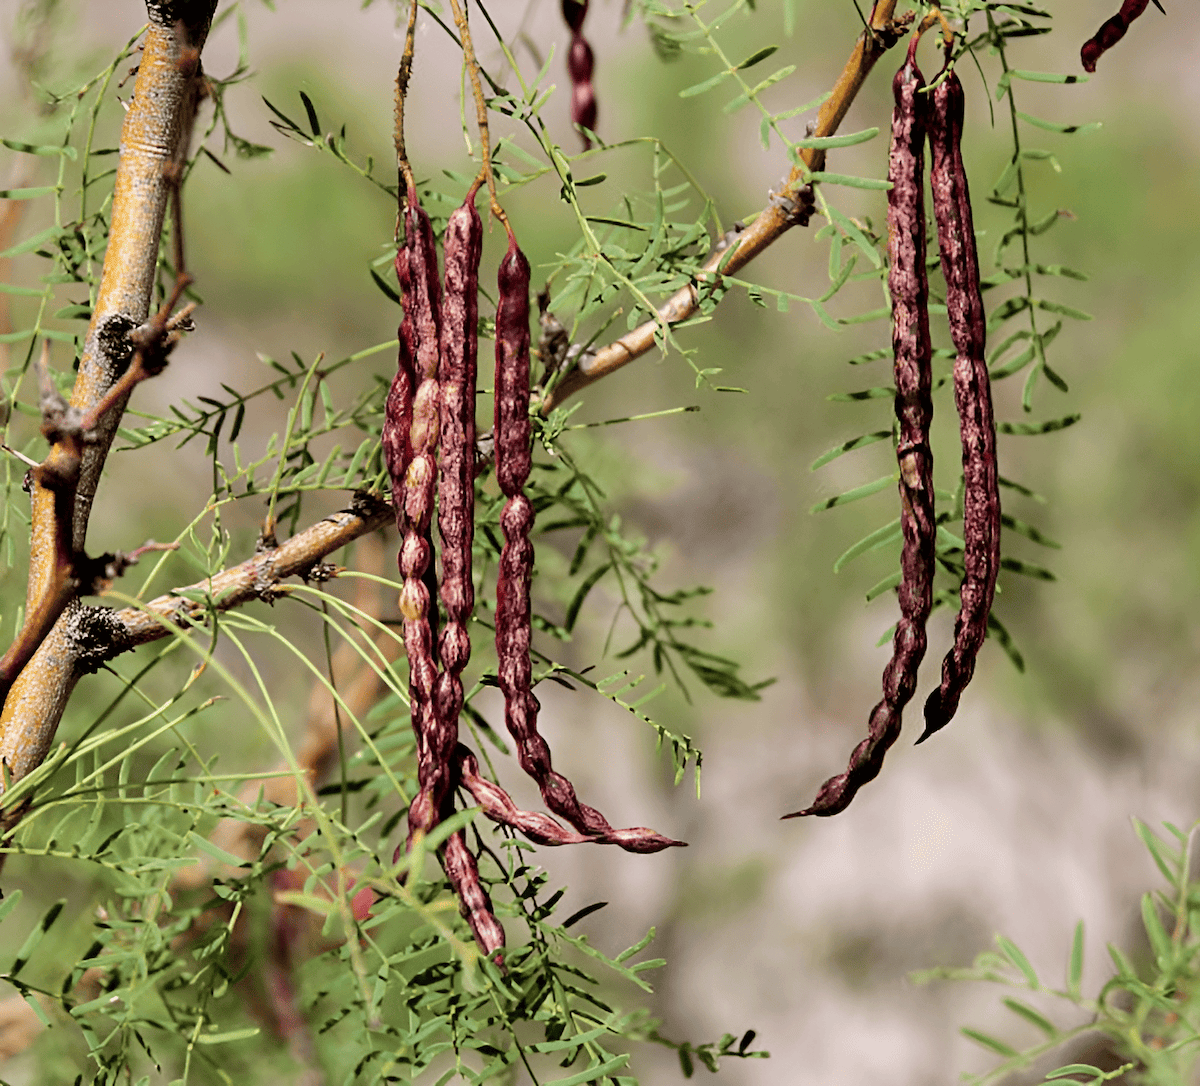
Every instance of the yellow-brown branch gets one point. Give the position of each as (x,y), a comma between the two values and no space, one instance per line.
(158,118)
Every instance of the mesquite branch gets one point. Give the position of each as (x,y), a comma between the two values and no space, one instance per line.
(88,636)
(153,146)
(768,226)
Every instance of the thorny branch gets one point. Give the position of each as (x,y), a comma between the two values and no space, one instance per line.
(120,348)
(882,32)
(88,636)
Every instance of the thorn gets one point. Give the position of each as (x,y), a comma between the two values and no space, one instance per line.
(20,456)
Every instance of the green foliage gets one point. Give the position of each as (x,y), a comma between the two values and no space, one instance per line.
(1147,1013)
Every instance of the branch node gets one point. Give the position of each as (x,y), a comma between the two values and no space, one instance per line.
(796,204)
(96,575)
(729,237)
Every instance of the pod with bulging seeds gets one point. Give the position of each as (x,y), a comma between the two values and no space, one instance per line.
(909,289)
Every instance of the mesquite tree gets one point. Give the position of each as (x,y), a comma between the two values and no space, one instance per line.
(372,903)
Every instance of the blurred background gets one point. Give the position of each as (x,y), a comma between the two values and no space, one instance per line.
(1016,819)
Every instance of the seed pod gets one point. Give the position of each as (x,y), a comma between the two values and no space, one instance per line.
(397,412)
(909,289)
(580,65)
(539,828)
(513,612)
(456,381)
(421,305)
(972,396)
(1111,32)
(474,903)
(455,385)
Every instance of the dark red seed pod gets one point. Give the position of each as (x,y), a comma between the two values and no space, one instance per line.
(513,612)
(539,828)
(583,108)
(580,61)
(972,395)
(457,381)
(473,901)
(455,384)
(580,65)
(911,347)
(1111,32)
(417,417)
(397,412)
(422,303)
(512,428)
(574,12)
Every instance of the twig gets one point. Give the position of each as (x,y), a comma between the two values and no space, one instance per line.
(472,65)
(770,224)
(403,170)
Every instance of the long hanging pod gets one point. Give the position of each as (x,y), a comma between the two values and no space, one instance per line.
(432,401)
(513,614)
(422,302)
(972,397)
(581,63)
(437,772)
(909,289)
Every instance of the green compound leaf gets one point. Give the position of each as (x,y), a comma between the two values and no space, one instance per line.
(849,181)
(705,85)
(850,446)
(1075,964)
(1062,129)
(881,537)
(1014,954)
(864,491)
(1033,1017)
(989,1042)
(1028,429)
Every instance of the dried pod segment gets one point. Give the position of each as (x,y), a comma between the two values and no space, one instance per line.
(1112,31)
(422,301)
(580,64)
(397,412)
(473,900)
(972,396)
(513,613)
(497,804)
(914,410)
